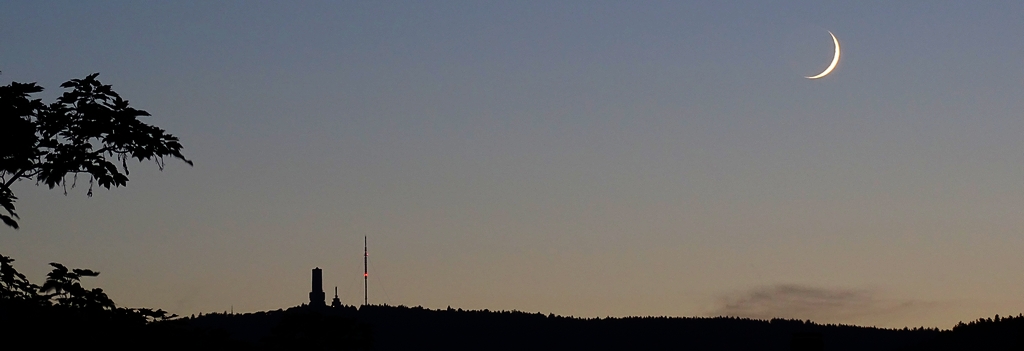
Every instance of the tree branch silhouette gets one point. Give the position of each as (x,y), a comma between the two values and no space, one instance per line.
(88,130)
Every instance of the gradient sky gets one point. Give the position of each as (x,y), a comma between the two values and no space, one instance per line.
(579,158)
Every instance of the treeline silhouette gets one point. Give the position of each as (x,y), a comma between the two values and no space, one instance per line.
(303,327)
(404,328)
(453,329)
(382,327)
(998,333)
(63,310)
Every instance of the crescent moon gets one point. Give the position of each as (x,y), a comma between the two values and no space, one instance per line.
(835,60)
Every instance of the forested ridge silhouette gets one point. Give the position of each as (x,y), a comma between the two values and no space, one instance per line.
(382,327)
(63,308)
(453,329)
(997,333)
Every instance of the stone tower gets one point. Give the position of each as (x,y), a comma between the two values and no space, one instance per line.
(316,295)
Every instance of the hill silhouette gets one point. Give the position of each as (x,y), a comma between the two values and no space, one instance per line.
(62,309)
(404,328)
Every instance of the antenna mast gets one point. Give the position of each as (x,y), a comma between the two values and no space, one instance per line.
(366,273)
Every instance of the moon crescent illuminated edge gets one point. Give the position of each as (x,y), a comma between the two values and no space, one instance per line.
(835,60)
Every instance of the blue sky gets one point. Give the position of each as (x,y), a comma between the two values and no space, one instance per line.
(581,158)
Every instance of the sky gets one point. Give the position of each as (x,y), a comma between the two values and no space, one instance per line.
(582,158)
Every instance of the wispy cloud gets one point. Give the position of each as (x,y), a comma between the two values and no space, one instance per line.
(805,302)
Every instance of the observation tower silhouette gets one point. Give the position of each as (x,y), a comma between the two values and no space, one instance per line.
(316,295)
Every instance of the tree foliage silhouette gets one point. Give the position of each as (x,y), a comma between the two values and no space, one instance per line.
(66,285)
(87,130)
(14,285)
(63,289)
